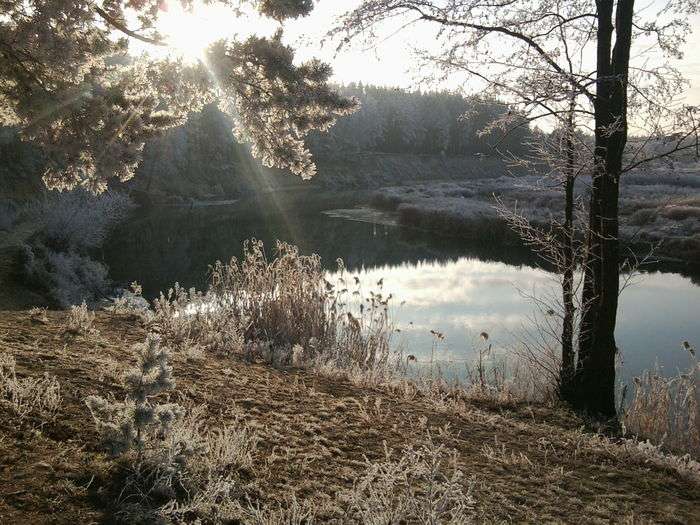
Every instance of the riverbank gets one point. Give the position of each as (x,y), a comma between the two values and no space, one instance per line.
(658,208)
(315,438)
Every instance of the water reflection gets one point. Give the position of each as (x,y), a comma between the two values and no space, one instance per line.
(456,287)
(468,296)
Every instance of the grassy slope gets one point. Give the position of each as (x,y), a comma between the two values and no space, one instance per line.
(315,433)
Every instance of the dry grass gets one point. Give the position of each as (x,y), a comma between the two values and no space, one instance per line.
(28,396)
(280,310)
(38,315)
(417,485)
(80,320)
(296,436)
(666,411)
(351,434)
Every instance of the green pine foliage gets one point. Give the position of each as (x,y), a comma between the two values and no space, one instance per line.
(138,423)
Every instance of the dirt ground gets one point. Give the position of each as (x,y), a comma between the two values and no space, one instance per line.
(527,464)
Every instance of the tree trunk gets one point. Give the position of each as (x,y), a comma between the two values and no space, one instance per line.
(595,373)
(567,333)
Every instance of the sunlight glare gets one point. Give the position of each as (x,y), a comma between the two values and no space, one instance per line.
(190,32)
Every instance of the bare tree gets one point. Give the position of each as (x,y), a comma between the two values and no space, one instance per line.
(523,49)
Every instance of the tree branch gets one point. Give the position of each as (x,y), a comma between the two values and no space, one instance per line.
(121,27)
(508,32)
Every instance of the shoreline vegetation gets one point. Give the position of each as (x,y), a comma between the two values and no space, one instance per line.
(542,156)
(292,407)
(658,211)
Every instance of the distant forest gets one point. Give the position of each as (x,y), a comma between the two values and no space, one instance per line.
(394,121)
(204,160)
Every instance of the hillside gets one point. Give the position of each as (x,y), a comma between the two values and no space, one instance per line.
(316,436)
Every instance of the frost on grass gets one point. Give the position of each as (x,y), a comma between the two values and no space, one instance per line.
(656,204)
(37,315)
(129,301)
(194,322)
(293,512)
(281,310)
(80,320)
(172,466)
(667,410)
(28,396)
(420,485)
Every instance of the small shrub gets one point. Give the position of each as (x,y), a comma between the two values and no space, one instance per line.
(80,320)
(28,396)
(130,301)
(174,467)
(131,425)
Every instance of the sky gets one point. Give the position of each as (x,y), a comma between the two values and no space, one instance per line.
(389,62)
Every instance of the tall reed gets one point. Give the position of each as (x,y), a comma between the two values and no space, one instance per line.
(666,411)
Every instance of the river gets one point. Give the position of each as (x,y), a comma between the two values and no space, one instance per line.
(453,286)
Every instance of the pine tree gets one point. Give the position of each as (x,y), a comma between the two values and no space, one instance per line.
(138,422)
(73,85)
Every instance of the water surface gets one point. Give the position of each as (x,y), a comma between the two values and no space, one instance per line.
(457,287)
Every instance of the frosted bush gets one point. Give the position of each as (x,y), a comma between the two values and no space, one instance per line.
(421,485)
(78,220)
(282,299)
(187,318)
(138,421)
(130,301)
(264,309)
(28,396)
(171,317)
(176,468)
(67,277)
(56,259)
(667,410)
(80,320)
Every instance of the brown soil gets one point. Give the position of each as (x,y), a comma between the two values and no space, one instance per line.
(320,431)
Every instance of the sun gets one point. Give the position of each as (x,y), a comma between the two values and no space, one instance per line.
(189,32)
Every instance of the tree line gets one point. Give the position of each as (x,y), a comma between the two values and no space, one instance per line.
(391,120)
